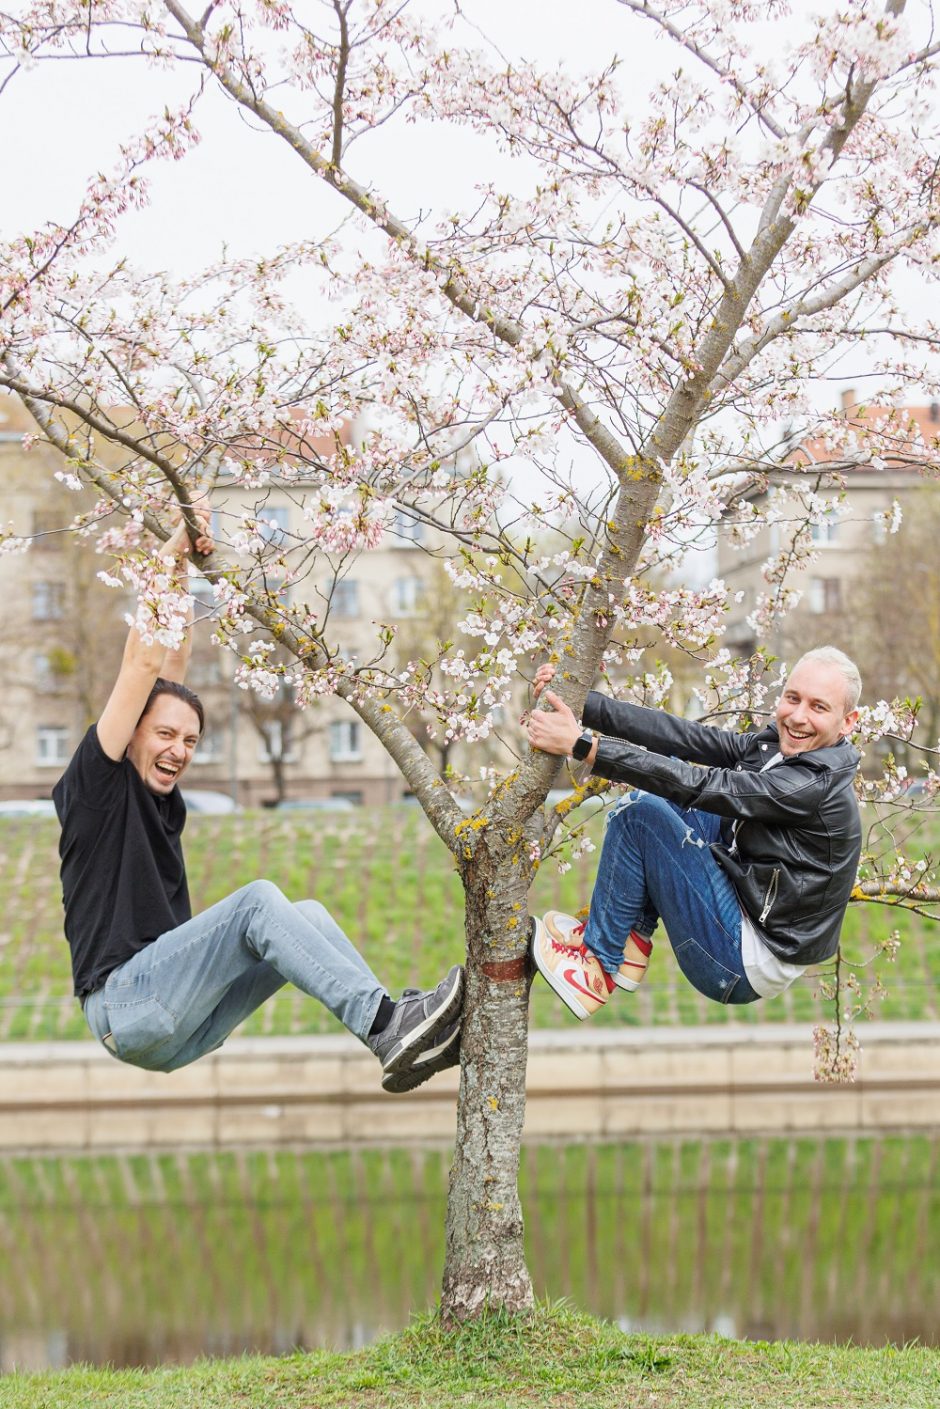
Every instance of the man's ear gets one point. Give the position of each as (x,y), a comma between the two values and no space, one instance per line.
(848,724)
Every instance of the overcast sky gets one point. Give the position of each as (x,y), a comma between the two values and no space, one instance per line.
(244,188)
(247,187)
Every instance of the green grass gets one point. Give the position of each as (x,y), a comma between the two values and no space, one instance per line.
(393,887)
(553,1356)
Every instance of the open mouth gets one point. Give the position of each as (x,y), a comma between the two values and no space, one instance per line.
(166,770)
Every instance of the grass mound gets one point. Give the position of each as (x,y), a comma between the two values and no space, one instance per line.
(552,1356)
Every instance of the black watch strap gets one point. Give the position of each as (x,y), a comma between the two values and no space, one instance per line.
(582,746)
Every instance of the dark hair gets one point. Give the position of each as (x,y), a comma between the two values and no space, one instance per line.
(182,692)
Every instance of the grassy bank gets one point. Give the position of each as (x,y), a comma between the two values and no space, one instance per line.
(555,1357)
(392,885)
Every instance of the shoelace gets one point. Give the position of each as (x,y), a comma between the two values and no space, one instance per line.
(580,949)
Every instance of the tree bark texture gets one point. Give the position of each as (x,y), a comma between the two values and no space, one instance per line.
(485,1260)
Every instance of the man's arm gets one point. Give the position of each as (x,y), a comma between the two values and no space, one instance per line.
(664,733)
(142,665)
(652,729)
(785,796)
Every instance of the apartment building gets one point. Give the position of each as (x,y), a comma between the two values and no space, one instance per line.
(62,633)
(842,543)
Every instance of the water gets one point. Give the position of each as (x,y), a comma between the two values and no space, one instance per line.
(148,1259)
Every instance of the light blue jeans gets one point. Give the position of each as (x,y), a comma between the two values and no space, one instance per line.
(181,996)
(656,863)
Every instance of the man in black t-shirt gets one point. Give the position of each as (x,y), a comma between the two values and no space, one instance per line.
(159,987)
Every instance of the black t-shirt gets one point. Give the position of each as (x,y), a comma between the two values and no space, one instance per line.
(123,876)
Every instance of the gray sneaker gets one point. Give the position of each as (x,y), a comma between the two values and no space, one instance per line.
(443,1053)
(416,1021)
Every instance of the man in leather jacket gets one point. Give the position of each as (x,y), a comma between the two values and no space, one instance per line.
(745,845)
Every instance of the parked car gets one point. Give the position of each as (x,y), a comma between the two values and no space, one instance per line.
(917,787)
(28,807)
(205,800)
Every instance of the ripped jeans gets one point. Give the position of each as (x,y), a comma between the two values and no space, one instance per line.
(656,864)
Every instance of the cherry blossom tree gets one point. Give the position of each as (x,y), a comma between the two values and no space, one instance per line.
(669,257)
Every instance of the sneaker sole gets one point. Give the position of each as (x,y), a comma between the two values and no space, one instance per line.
(566,996)
(630,984)
(417,1036)
(424,1066)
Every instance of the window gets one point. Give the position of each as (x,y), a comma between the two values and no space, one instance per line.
(211,746)
(344,741)
(407,594)
(826,532)
(44,672)
(205,670)
(48,601)
(344,599)
(52,745)
(273,523)
(276,743)
(45,536)
(825,594)
(406,529)
(200,590)
(351,795)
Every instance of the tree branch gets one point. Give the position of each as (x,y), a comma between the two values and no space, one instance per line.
(804,307)
(727,76)
(339,88)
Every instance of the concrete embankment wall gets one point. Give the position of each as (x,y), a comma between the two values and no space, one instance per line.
(581,1085)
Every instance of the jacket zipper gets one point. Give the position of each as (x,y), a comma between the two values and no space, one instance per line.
(770,897)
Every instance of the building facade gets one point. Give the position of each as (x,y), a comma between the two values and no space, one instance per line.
(63,631)
(842,544)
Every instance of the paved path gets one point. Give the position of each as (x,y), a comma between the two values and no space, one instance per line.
(582,1085)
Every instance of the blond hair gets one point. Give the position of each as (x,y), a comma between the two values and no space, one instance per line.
(831,655)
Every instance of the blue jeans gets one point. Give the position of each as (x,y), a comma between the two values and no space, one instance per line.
(181,996)
(656,863)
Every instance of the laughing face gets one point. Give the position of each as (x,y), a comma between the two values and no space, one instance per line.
(811,712)
(163,742)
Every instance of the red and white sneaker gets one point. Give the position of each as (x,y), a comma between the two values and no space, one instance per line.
(565,929)
(636,961)
(572,971)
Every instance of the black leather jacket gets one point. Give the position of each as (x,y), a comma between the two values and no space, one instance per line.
(790,837)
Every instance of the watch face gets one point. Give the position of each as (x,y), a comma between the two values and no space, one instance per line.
(582,746)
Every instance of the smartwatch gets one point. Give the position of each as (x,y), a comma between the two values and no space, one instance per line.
(582,746)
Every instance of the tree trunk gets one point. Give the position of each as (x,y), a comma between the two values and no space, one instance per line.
(485,1261)
(277,773)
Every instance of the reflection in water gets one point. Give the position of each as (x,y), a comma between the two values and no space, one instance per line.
(140,1259)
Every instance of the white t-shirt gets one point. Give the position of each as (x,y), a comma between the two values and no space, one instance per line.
(766,974)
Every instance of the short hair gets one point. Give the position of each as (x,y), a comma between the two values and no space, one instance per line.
(831,655)
(181,692)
